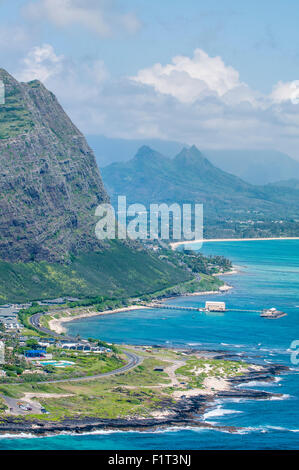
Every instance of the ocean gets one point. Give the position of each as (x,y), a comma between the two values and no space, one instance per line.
(268,276)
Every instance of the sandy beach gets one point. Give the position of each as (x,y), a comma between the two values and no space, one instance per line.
(210,240)
(56,324)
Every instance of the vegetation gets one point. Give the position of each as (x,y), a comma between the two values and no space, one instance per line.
(196,262)
(108,279)
(25,313)
(15,118)
(196,370)
(116,272)
(83,365)
(139,392)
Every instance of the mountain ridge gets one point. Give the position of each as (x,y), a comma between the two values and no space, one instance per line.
(255,166)
(50,186)
(190,177)
(46,203)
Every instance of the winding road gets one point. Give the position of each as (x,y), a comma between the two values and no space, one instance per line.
(133,359)
(34,321)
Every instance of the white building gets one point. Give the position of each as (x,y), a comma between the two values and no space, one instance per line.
(212,306)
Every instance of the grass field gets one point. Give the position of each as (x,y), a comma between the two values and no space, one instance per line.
(140,392)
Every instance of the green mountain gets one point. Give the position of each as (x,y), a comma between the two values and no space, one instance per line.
(49,188)
(231,206)
(49,181)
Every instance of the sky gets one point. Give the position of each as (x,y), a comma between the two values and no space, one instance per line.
(220,74)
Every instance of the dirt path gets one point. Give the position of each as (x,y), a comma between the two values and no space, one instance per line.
(171,373)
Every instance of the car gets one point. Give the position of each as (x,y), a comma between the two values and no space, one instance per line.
(22,407)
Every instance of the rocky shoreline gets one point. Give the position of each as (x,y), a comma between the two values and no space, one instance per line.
(187,411)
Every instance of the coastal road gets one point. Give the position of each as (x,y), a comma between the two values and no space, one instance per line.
(133,359)
(34,321)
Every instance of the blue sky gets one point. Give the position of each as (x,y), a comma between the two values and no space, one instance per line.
(103,52)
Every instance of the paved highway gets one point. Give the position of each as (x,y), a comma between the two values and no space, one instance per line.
(133,359)
(13,403)
(34,321)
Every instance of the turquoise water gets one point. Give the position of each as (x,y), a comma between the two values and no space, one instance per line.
(269,276)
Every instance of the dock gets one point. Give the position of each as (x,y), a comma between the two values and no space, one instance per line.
(161,305)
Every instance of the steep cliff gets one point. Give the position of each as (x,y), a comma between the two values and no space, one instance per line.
(49,188)
(49,181)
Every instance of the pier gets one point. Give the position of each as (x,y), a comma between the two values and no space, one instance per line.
(161,305)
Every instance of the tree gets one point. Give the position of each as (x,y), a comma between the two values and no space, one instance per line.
(32,343)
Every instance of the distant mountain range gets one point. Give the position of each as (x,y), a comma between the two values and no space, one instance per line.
(232,206)
(108,150)
(253,166)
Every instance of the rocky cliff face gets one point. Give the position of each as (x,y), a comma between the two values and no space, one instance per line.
(49,181)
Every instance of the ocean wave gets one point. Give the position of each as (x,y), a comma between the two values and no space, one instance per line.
(21,435)
(166,430)
(259,383)
(219,411)
(285,396)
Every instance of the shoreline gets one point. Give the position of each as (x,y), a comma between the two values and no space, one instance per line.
(183,413)
(211,240)
(56,324)
(189,411)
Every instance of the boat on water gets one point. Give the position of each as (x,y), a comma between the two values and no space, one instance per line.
(272,313)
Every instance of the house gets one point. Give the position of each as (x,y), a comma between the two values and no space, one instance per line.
(9,317)
(44,344)
(68,345)
(8,311)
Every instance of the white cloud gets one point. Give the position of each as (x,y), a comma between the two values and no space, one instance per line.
(230,115)
(98,16)
(286,91)
(41,63)
(189,79)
